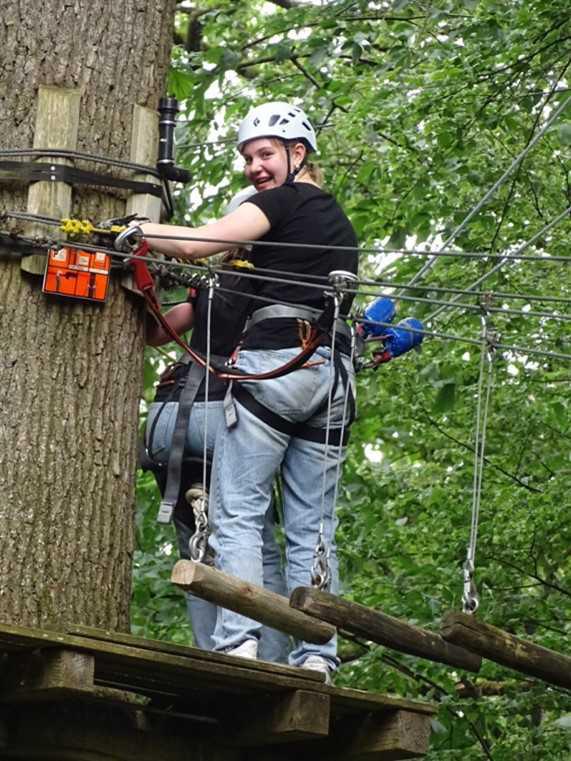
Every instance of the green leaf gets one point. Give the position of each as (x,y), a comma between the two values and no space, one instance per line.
(565,133)
(446,398)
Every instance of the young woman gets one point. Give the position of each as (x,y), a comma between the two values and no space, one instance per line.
(281,422)
(229,311)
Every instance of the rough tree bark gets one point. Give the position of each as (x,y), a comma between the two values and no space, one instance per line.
(71,373)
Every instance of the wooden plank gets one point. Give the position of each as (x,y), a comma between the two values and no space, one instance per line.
(346,700)
(57,125)
(192,652)
(382,629)
(507,649)
(255,602)
(127,667)
(144,150)
(294,716)
(47,675)
(151,672)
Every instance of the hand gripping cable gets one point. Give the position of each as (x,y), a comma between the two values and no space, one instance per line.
(132,240)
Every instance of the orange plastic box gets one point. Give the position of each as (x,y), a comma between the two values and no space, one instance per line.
(77,274)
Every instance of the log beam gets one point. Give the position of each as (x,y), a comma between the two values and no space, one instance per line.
(292,717)
(382,629)
(249,600)
(507,649)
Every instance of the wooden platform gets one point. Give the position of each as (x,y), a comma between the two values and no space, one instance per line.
(89,695)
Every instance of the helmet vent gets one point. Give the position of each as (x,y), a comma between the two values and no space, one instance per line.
(273,119)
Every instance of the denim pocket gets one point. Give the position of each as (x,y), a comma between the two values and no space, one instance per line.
(159,430)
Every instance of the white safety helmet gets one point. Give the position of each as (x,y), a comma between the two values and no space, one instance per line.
(238,198)
(277,119)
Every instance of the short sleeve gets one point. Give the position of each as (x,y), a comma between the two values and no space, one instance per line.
(277,203)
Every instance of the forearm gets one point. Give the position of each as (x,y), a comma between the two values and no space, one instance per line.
(246,223)
(178,241)
(180,318)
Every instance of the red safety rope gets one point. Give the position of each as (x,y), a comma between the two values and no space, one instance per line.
(145,283)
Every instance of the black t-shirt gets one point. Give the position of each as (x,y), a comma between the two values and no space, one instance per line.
(230,307)
(298,213)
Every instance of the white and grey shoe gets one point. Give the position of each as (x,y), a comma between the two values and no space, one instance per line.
(248,649)
(317,663)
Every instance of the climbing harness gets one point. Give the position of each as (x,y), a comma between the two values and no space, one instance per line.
(321,571)
(489,339)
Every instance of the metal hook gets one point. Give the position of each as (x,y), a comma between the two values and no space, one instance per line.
(320,570)
(470,598)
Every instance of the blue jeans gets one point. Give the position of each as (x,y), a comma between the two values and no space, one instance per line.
(246,461)
(274,645)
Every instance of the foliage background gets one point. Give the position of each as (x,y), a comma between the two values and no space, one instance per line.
(421,108)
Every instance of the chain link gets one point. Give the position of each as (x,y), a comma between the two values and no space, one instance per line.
(198,543)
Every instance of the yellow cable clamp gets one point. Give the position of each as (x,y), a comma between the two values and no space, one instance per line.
(241,264)
(76,227)
(85,227)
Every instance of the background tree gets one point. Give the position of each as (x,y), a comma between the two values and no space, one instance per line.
(421,108)
(70,373)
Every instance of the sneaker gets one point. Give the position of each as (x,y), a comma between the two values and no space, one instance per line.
(248,649)
(317,663)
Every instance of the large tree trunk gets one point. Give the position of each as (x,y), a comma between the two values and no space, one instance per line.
(71,373)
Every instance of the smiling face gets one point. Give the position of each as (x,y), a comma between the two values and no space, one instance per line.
(266,162)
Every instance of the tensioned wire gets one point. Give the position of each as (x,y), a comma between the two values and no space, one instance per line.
(433,334)
(430,333)
(376,250)
(233,243)
(199,268)
(518,159)
(420,299)
(470,597)
(283,281)
(294,281)
(506,258)
(438,289)
(79,155)
(260,272)
(194,267)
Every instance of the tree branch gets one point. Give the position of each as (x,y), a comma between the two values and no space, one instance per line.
(287,4)
(470,448)
(542,581)
(305,73)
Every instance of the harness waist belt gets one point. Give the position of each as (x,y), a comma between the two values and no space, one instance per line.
(276,311)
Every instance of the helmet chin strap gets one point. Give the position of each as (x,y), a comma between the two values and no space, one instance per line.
(291,174)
